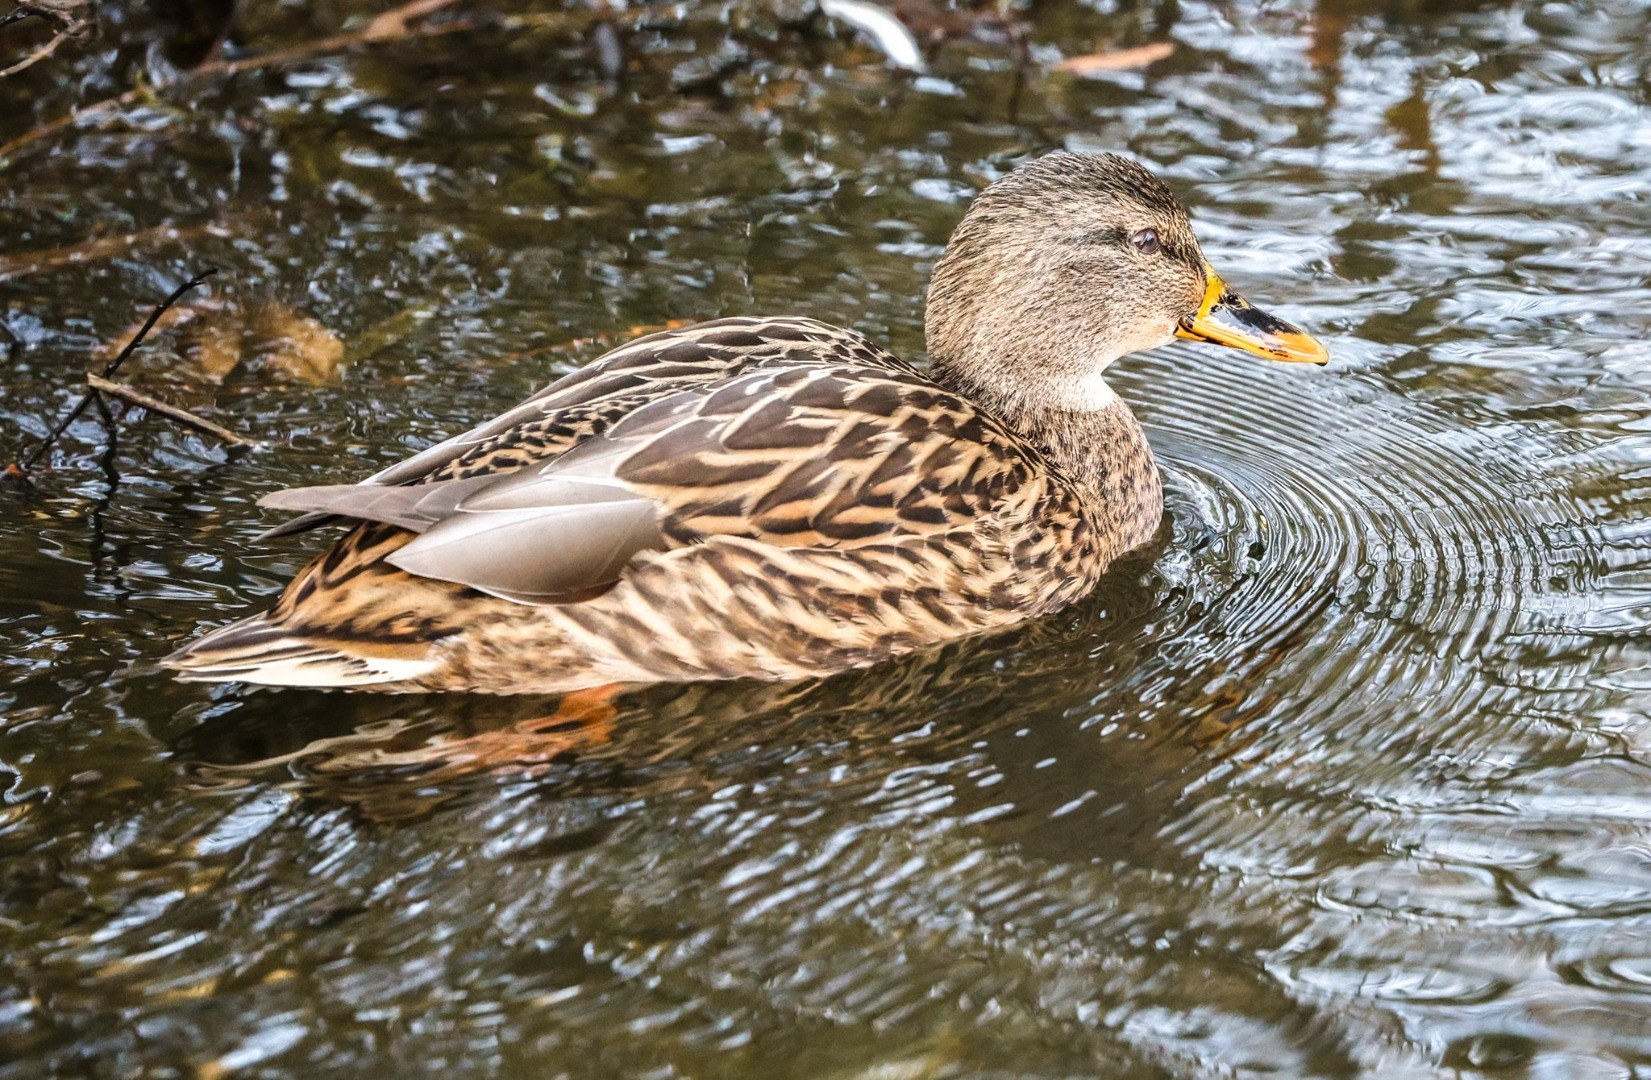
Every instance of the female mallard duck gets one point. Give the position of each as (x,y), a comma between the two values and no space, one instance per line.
(776,498)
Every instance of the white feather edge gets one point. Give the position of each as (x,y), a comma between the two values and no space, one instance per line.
(885,31)
(315,670)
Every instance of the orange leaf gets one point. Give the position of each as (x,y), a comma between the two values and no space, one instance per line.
(1117,60)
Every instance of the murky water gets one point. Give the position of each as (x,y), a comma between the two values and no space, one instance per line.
(1350,776)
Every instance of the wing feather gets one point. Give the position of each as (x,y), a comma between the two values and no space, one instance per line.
(732,430)
(535,555)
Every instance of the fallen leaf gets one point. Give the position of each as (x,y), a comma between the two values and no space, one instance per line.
(1117,60)
(292,346)
(393,24)
(216,337)
(201,308)
(212,345)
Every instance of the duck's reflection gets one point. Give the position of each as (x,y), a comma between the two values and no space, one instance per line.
(1081,732)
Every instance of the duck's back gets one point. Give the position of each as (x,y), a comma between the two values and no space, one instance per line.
(741,498)
(643,370)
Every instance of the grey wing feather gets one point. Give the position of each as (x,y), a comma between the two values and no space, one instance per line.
(415,508)
(301,523)
(432,457)
(535,555)
(534,536)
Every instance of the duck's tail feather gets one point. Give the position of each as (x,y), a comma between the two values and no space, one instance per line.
(261,650)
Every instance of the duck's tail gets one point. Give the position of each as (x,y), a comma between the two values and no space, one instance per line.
(259,649)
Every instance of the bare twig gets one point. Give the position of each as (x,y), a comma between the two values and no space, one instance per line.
(22,468)
(388,27)
(183,416)
(71,19)
(75,17)
(72,117)
(154,316)
(105,247)
(35,57)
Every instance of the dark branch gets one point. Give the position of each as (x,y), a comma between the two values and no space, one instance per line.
(134,396)
(109,369)
(70,18)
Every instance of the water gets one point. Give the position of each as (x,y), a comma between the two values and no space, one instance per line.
(1346,777)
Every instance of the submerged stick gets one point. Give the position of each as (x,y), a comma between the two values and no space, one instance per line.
(70,18)
(22,468)
(137,397)
(105,247)
(35,57)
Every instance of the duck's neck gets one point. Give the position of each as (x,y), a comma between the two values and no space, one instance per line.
(1100,447)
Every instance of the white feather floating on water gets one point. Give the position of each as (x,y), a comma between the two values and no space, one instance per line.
(886,32)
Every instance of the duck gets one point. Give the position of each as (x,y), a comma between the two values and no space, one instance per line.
(776,498)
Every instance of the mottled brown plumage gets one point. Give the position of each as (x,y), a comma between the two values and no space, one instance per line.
(771,498)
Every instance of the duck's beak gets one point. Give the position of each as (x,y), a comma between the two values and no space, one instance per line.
(1225,318)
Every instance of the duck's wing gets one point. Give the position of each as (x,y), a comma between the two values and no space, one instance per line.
(809,454)
(616,384)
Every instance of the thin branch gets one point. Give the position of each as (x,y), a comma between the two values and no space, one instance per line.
(70,18)
(76,17)
(35,57)
(154,316)
(382,30)
(69,119)
(137,397)
(106,247)
(22,468)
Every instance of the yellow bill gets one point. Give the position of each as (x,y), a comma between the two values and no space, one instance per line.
(1225,318)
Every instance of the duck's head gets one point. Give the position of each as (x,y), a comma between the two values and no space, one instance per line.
(1070,262)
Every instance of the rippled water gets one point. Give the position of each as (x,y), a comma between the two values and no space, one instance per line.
(1347,777)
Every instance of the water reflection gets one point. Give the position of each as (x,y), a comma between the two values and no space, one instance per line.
(1346,777)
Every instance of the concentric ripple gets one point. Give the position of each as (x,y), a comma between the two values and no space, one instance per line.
(1414,541)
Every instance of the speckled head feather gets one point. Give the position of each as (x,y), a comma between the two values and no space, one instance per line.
(1042,285)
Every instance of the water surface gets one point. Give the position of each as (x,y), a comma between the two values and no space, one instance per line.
(1345,777)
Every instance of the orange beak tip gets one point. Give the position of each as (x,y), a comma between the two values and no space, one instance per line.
(1225,318)
(1304,348)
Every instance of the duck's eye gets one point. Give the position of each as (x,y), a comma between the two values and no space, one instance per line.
(1147,241)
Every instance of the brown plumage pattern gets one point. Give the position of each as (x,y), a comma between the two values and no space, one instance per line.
(747,498)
